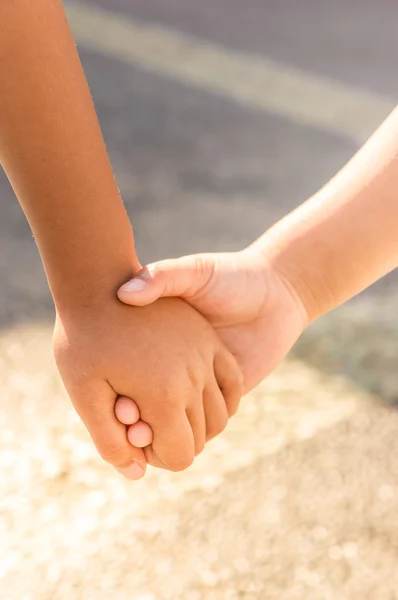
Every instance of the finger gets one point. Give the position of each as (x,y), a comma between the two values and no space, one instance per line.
(229,378)
(152,459)
(216,413)
(126,410)
(182,277)
(95,406)
(140,434)
(196,418)
(173,446)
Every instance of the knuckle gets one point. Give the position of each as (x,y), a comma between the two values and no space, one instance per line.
(200,264)
(194,378)
(168,385)
(204,268)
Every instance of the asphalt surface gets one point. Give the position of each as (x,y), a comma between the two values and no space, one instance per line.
(298,516)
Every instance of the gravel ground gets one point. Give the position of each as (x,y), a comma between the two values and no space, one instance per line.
(296,500)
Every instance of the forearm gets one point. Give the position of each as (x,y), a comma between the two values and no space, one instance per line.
(346,236)
(52,150)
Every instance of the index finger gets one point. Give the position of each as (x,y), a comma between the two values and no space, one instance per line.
(95,405)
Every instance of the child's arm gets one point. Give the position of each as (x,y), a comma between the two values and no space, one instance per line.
(346,236)
(53,153)
(332,247)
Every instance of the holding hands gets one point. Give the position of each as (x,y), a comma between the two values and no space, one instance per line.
(254,311)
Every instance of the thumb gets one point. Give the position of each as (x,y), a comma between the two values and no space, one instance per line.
(184,277)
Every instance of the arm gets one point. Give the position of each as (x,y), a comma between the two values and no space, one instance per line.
(327,250)
(52,150)
(346,236)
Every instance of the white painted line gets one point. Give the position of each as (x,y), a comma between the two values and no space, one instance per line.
(252,80)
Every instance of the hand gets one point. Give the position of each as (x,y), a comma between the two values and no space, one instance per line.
(254,310)
(167,358)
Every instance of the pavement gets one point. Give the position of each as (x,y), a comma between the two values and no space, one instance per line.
(219,118)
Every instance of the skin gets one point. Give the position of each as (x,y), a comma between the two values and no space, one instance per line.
(165,356)
(332,247)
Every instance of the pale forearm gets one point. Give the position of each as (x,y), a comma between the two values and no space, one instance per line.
(345,237)
(53,152)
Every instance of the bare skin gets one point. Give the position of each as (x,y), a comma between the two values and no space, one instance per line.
(149,356)
(332,247)
(166,356)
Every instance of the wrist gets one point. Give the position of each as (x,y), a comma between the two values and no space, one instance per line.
(295,256)
(89,255)
(93,292)
(91,284)
(279,294)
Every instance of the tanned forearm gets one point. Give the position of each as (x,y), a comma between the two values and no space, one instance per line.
(53,153)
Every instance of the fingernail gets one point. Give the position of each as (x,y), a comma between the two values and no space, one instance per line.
(148,272)
(134,285)
(133,472)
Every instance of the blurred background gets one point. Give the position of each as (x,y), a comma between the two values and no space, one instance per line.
(220,117)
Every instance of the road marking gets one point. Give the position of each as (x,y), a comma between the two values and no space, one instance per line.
(256,82)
